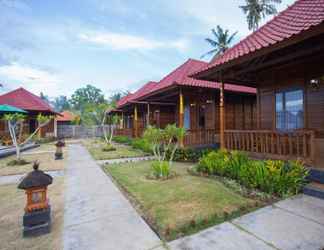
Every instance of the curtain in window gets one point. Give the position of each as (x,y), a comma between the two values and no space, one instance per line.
(187,117)
(289,110)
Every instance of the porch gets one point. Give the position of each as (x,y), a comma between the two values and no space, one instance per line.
(194,109)
(271,144)
(289,78)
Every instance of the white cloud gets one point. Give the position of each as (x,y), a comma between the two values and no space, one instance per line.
(33,79)
(119,41)
(224,13)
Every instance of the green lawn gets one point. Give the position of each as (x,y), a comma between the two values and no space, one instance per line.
(182,205)
(122,151)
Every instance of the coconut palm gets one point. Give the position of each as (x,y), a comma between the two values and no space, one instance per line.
(255,10)
(221,42)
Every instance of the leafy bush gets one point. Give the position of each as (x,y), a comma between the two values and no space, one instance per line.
(189,154)
(273,177)
(122,139)
(142,144)
(161,169)
(108,148)
(160,142)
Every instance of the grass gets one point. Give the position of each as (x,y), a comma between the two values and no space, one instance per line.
(12,202)
(122,151)
(179,206)
(44,153)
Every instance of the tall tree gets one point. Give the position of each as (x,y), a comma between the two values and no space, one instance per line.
(85,96)
(44,97)
(255,10)
(220,42)
(93,114)
(114,98)
(61,103)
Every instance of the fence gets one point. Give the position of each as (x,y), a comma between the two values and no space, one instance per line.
(74,131)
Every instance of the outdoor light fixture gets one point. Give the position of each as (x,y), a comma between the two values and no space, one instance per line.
(209,101)
(59,152)
(314,84)
(192,104)
(37,217)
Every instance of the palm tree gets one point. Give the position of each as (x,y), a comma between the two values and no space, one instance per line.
(255,10)
(221,42)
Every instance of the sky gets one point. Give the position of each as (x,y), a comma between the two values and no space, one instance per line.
(58,46)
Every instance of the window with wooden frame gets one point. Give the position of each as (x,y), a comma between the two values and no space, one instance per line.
(290,110)
(202,116)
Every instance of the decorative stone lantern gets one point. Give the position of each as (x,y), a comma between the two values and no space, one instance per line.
(37,217)
(59,152)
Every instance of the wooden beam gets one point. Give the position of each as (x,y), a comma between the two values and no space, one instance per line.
(222,116)
(282,59)
(181,114)
(148,115)
(135,122)
(122,120)
(154,103)
(214,73)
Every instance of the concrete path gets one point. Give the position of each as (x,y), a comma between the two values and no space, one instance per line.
(97,215)
(296,223)
(14,179)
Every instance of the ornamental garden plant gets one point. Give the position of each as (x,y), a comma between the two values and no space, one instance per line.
(280,178)
(15,125)
(163,141)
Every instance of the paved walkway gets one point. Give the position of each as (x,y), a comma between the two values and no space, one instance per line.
(97,215)
(292,224)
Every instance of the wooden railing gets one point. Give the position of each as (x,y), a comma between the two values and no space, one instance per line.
(199,137)
(124,132)
(273,144)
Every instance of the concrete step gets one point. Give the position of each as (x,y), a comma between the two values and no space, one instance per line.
(314,189)
(316,175)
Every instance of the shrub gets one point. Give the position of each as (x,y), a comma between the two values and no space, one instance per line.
(108,148)
(214,163)
(161,169)
(273,177)
(142,144)
(122,139)
(189,154)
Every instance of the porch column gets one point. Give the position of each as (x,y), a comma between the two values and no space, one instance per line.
(39,133)
(135,122)
(222,116)
(148,115)
(55,127)
(122,121)
(181,114)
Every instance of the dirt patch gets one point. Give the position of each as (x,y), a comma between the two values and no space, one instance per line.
(12,202)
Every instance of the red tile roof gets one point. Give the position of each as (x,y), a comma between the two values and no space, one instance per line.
(180,76)
(144,90)
(124,100)
(66,116)
(23,99)
(299,17)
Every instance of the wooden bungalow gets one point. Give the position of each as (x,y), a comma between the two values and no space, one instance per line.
(284,61)
(189,103)
(34,105)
